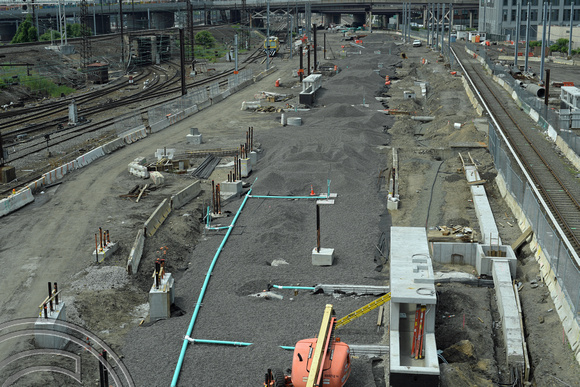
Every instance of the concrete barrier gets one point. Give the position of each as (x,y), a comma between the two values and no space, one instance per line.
(112,146)
(137,169)
(568,152)
(159,125)
(175,118)
(191,110)
(16,201)
(57,173)
(226,94)
(89,157)
(134,134)
(157,218)
(136,253)
(534,115)
(216,99)
(185,195)
(36,185)
(204,104)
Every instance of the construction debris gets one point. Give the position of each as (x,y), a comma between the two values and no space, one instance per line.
(455,233)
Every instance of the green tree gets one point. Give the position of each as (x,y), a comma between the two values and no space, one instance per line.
(561,45)
(205,39)
(24,33)
(49,35)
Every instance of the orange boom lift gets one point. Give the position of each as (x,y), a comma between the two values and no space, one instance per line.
(322,361)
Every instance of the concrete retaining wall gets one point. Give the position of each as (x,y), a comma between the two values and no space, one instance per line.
(474,101)
(569,322)
(191,110)
(508,310)
(16,201)
(157,218)
(136,253)
(455,253)
(185,195)
(569,153)
(489,231)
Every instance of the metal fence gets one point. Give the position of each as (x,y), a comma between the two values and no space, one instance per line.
(548,116)
(561,262)
(196,96)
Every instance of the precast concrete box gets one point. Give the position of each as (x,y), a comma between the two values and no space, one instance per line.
(231,188)
(46,329)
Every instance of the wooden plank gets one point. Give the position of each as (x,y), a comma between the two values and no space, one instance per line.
(477,182)
(141,193)
(522,238)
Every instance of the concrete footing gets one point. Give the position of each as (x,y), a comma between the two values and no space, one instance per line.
(246,167)
(324,257)
(231,188)
(46,339)
(106,252)
(476,255)
(194,139)
(253,158)
(161,299)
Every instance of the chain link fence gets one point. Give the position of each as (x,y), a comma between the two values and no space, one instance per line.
(561,262)
(197,96)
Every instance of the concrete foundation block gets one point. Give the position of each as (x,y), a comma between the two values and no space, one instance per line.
(106,252)
(161,298)
(246,167)
(231,188)
(157,177)
(194,139)
(392,205)
(324,257)
(42,324)
(253,158)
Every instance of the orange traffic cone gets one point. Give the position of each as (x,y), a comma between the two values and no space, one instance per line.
(312,191)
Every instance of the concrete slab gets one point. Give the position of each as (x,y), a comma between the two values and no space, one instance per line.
(324,257)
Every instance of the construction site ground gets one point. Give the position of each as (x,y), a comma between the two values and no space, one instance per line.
(346,139)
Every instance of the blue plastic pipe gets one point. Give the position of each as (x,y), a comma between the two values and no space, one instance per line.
(288,197)
(236,343)
(286,347)
(293,287)
(203,289)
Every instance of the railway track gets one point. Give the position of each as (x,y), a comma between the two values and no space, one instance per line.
(559,189)
(164,89)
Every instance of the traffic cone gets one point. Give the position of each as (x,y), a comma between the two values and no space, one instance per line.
(312,191)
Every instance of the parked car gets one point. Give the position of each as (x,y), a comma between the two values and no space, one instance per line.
(416,43)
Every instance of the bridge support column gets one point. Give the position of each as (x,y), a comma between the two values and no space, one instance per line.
(7,31)
(235,16)
(470,19)
(331,18)
(161,20)
(137,21)
(369,20)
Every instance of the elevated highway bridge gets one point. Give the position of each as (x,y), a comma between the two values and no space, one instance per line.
(143,14)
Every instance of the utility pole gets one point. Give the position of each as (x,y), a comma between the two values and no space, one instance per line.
(571,26)
(544,40)
(268,36)
(527,38)
(122,37)
(518,28)
(182,60)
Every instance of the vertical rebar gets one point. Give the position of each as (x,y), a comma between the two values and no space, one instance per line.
(157,267)
(50,296)
(318,228)
(315,45)
(101,237)
(45,311)
(301,69)
(55,293)
(308,58)
(96,243)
